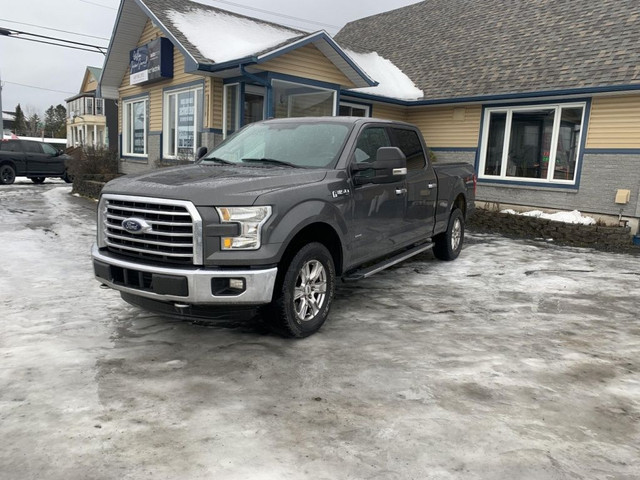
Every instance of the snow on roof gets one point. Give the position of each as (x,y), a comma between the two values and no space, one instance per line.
(566,217)
(393,82)
(223,37)
(8,116)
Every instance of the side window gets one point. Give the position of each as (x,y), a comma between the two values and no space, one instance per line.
(31,147)
(49,150)
(10,146)
(409,142)
(369,141)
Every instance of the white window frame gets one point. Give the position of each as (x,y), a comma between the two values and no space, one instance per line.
(127,123)
(509,110)
(316,87)
(166,121)
(366,108)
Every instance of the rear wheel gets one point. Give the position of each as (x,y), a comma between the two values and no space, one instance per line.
(37,179)
(449,244)
(7,174)
(66,177)
(304,297)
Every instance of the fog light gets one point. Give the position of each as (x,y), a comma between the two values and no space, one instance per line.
(228,286)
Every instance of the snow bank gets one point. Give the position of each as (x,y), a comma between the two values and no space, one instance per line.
(222,37)
(393,82)
(566,217)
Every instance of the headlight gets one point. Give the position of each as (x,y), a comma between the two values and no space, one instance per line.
(250,220)
(101,227)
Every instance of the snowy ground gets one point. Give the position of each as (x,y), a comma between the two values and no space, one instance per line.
(517,361)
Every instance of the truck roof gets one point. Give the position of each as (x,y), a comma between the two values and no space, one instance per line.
(343,120)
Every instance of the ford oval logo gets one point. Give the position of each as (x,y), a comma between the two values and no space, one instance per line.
(135,225)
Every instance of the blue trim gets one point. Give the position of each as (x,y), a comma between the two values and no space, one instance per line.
(133,97)
(579,162)
(491,98)
(240,105)
(154,133)
(537,102)
(195,83)
(303,81)
(212,130)
(120,145)
(141,159)
(453,149)
(217,67)
(612,151)
(509,183)
(312,39)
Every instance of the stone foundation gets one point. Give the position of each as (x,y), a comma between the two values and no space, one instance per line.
(596,236)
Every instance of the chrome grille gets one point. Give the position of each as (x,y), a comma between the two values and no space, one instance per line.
(172,236)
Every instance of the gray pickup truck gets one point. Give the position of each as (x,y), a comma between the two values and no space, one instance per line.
(275,214)
(28,158)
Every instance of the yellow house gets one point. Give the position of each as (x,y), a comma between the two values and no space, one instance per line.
(187,75)
(91,121)
(547,111)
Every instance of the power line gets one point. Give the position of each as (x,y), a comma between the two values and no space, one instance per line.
(97,4)
(270,12)
(38,88)
(65,43)
(54,29)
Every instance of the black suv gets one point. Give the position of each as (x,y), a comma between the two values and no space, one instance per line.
(35,160)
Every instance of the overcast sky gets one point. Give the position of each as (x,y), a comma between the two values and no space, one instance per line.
(38,75)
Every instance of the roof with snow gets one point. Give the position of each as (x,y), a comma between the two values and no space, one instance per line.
(9,117)
(213,40)
(460,48)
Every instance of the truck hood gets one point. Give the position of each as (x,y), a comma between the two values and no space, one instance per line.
(213,184)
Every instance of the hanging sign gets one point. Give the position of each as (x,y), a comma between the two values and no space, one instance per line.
(151,62)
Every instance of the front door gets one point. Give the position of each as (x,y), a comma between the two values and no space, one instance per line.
(378,209)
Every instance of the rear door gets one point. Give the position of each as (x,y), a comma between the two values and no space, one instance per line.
(377,209)
(42,159)
(12,151)
(422,185)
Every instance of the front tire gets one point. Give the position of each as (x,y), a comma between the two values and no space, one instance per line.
(304,297)
(449,244)
(7,174)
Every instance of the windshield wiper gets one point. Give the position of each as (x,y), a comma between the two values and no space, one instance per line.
(219,160)
(272,161)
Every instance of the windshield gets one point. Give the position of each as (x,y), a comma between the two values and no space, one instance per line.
(305,145)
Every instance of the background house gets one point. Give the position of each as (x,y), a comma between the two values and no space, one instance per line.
(543,97)
(91,120)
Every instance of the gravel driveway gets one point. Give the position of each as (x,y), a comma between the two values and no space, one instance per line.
(520,360)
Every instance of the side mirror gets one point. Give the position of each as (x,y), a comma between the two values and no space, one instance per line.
(389,166)
(201,152)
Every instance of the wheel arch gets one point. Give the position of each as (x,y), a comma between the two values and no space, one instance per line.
(320,232)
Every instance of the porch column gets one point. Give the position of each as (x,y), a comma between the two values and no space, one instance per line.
(95,135)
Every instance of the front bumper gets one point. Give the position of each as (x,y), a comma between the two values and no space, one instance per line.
(182,285)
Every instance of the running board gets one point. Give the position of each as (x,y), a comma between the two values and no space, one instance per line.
(378,267)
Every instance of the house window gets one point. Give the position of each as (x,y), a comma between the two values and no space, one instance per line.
(299,100)
(89,105)
(538,143)
(134,127)
(354,110)
(99,106)
(182,120)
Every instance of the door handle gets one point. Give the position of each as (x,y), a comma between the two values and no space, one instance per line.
(431,185)
(401,191)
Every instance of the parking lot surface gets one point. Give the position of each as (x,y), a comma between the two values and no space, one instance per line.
(520,360)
